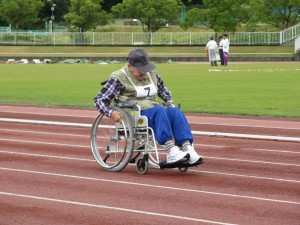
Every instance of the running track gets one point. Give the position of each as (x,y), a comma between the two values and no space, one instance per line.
(48,174)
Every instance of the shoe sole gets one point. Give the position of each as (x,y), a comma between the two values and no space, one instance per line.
(199,161)
(184,159)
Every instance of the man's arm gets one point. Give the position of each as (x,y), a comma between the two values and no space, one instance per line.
(108,93)
(163,91)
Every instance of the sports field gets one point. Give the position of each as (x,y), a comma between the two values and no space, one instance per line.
(259,89)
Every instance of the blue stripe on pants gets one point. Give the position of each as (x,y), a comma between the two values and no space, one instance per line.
(168,123)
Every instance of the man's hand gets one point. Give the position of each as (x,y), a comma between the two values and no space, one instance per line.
(116,116)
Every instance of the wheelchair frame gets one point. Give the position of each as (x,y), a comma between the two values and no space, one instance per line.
(114,145)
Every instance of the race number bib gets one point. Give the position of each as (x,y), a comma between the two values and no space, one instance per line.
(146,91)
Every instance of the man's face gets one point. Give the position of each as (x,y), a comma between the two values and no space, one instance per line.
(137,74)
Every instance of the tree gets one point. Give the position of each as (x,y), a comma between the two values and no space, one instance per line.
(19,13)
(280,13)
(223,16)
(86,14)
(153,14)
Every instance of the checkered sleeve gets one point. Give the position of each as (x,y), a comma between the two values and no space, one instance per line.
(163,91)
(107,94)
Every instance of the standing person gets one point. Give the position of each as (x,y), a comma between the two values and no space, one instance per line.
(139,83)
(225,49)
(212,47)
(221,50)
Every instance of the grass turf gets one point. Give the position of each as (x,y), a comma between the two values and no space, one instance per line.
(239,89)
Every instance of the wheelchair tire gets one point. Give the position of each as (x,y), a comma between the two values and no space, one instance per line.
(112,143)
(142,166)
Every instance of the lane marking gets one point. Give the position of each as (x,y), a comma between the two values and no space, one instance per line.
(113,208)
(245,176)
(251,70)
(191,170)
(248,148)
(155,186)
(200,145)
(45,143)
(46,133)
(47,156)
(47,114)
(188,116)
(253,161)
(218,134)
(251,126)
(208,157)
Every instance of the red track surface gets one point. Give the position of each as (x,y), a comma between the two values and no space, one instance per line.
(49,176)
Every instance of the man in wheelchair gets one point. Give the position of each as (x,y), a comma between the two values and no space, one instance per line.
(139,83)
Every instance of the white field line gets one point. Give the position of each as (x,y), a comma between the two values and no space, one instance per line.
(91,160)
(252,70)
(155,186)
(113,208)
(206,157)
(123,54)
(244,176)
(242,125)
(85,146)
(202,122)
(218,134)
(195,171)
(200,145)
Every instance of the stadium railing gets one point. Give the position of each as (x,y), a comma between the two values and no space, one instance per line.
(141,38)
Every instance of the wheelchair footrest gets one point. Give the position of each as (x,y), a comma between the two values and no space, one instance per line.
(185,164)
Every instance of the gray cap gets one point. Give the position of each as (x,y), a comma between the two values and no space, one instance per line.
(139,59)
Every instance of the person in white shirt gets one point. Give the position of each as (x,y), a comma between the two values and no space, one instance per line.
(212,48)
(226,44)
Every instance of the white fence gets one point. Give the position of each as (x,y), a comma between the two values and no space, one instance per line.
(297,45)
(140,38)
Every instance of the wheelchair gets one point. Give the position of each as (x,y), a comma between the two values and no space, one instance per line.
(116,144)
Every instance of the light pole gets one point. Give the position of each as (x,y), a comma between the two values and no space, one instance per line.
(52,15)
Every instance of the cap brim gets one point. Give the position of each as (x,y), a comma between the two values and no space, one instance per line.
(146,68)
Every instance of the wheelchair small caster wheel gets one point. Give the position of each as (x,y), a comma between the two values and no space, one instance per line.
(182,169)
(142,166)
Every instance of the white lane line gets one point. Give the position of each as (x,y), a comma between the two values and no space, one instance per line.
(156,186)
(244,176)
(250,126)
(200,145)
(43,122)
(248,149)
(207,157)
(248,136)
(218,134)
(49,114)
(191,170)
(252,161)
(44,143)
(44,133)
(48,156)
(114,208)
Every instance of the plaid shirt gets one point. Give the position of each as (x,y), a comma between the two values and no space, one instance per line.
(113,88)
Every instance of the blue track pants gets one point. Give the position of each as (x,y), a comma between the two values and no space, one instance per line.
(168,123)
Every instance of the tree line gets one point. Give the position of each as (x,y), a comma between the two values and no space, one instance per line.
(85,15)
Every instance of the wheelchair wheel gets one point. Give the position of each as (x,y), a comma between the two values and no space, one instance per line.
(142,166)
(112,143)
(182,169)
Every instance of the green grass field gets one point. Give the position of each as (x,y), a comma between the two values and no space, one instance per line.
(271,89)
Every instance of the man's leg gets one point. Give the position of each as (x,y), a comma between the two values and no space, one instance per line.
(182,134)
(225,56)
(159,121)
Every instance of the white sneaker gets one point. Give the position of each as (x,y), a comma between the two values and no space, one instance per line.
(194,157)
(175,155)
